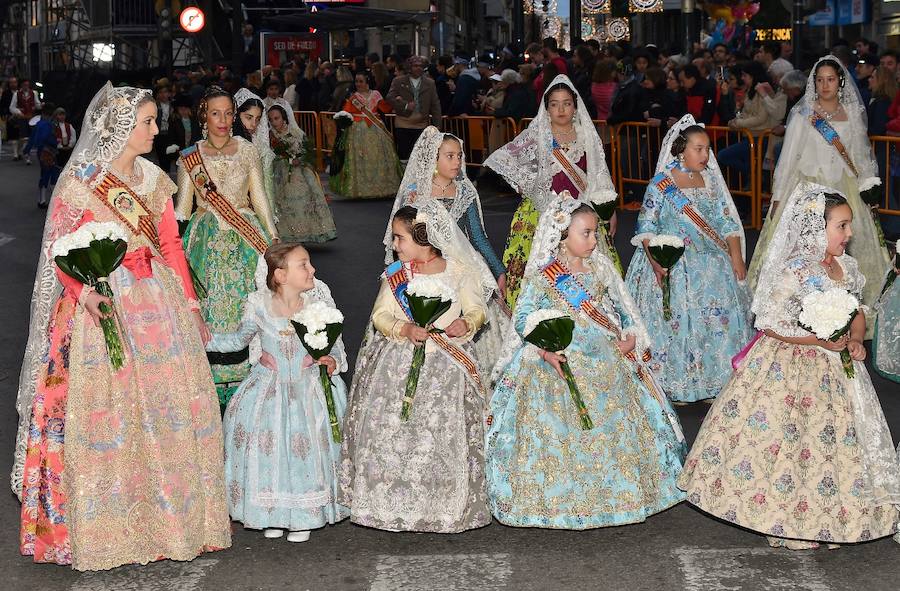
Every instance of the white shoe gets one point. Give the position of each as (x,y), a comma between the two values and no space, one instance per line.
(298,536)
(28,160)
(273,533)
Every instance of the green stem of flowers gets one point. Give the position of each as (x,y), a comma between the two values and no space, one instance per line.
(412,381)
(611,249)
(110,328)
(329,402)
(848,364)
(586,422)
(667,307)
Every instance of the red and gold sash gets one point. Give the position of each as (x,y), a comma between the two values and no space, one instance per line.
(667,187)
(359,102)
(564,284)
(575,174)
(830,135)
(193,164)
(127,207)
(397,281)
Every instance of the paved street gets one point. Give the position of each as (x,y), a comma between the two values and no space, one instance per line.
(679,549)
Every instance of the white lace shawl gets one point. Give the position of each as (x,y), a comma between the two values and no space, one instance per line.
(553,222)
(800,138)
(712,176)
(527,162)
(416,183)
(260,142)
(108,122)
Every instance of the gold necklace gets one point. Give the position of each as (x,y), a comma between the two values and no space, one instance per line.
(128,178)
(218,149)
(444,188)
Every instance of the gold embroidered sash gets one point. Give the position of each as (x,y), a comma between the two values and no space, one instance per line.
(127,206)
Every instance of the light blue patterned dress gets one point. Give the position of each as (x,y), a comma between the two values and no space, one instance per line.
(542,469)
(280,459)
(710,309)
(886,342)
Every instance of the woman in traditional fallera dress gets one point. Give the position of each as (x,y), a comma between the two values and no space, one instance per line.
(371,167)
(251,123)
(425,473)
(559,151)
(437,170)
(792,447)
(230,229)
(280,458)
(301,210)
(710,303)
(543,469)
(886,342)
(831,108)
(118,467)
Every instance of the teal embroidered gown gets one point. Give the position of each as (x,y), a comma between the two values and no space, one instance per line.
(280,459)
(542,469)
(710,309)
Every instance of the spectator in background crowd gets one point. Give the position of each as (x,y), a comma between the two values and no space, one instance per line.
(883,90)
(603,87)
(518,102)
(753,117)
(308,88)
(698,94)
(720,55)
(626,104)
(865,47)
(327,81)
(467,86)
(164,112)
(290,89)
(889,60)
(442,81)
(793,85)
(582,76)
(273,92)
(661,107)
(865,66)
(414,99)
(342,88)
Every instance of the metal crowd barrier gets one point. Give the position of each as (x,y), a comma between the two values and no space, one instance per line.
(631,151)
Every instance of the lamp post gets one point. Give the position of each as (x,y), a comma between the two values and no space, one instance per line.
(687,20)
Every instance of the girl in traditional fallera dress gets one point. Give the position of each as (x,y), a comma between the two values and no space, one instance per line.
(280,458)
(371,167)
(886,342)
(300,208)
(543,468)
(251,123)
(826,142)
(230,229)
(118,467)
(559,151)
(792,447)
(710,304)
(437,170)
(425,473)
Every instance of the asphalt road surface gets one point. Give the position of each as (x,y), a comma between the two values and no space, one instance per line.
(678,549)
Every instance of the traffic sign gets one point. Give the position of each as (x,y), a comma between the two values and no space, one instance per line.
(192,19)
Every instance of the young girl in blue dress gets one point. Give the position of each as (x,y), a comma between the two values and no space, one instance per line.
(543,469)
(280,457)
(710,304)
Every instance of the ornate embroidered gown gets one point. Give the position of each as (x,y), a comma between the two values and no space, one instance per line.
(886,342)
(427,473)
(542,469)
(125,467)
(222,259)
(280,459)
(792,448)
(371,167)
(710,309)
(300,207)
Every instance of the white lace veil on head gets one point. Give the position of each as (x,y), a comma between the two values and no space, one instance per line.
(108,122)
(445,235)
(293,126)
(554,221)
(261,135)
(527,162)
(800,235)
(715,181)
(416,183)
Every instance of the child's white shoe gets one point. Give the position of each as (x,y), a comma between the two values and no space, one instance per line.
(273,533)
(298,536)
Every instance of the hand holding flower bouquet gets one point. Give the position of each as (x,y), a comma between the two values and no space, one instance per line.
(90,254)
(343,120)
(604,203)
(828,315)
(318,326)
(551,330)
(873,195)
(666,250)
(428,298)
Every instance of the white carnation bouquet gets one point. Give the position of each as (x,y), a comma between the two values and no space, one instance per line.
(342,115)
(551,330)
(318,326)
(828,315)
(604,203)
(428,298)
(666,250)
(90,254)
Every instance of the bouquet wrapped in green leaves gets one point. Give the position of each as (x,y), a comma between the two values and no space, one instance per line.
(604,203)
(90,254)
(666,250)
(318,326)
(343,120)
(551,330)
(428,299)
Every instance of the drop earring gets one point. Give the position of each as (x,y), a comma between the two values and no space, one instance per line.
(203,131)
